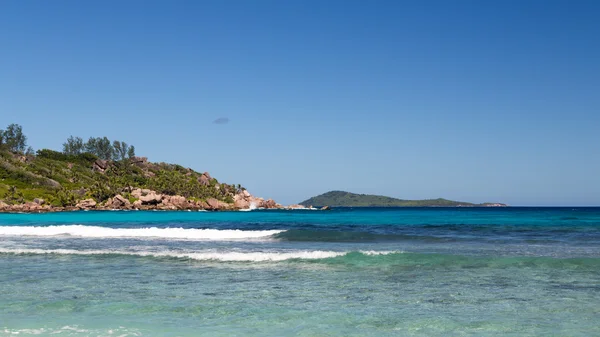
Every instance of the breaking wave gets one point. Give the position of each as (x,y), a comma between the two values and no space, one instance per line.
(150,232)
(73,330)
(204,255)
(354,259)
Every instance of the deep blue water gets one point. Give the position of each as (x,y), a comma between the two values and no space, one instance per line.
(345,272)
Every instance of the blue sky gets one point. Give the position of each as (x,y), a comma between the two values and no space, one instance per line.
(469,100)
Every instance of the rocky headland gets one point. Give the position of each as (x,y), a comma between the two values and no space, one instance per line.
(104,175)
(203,192)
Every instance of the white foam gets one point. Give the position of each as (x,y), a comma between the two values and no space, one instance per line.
(24,331)
(70,330)
(379,252)
(202,255)
(151,232)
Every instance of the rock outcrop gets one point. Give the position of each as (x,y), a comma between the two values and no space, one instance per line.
(240,203)
(28,207)
(139,161)
(176,202)
(86,204)
(118,202)
(245,200)
(100,165)
(214,204)
(147,197)
(204,179)
(270,204)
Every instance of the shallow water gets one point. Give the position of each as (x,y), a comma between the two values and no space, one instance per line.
(347,272)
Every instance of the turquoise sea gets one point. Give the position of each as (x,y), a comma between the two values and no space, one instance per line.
(345,272)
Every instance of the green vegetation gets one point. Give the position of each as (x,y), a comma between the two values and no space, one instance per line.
(95,169)
(347,199)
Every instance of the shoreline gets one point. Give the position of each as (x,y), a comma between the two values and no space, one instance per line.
(69,210)
(149,200)
(27,209)
(18,209)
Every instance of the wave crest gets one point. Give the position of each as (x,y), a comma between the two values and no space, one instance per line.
(204,255)
(149,232)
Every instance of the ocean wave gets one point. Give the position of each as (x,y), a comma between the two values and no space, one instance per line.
(149,232)
(306,235)
(398,260)
(70,330)
(203,255)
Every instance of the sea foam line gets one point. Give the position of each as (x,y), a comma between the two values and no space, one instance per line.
(150,232)
(122,331)
(202,256)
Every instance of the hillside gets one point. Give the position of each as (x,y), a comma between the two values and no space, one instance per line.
(347,199)
(98,174)
(55,181)
(62,179)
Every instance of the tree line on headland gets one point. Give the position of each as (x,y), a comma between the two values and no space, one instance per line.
(100,146)
(14,140)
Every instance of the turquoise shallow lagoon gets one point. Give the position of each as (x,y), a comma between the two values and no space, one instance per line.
(346,272)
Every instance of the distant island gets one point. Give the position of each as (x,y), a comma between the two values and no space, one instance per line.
(347,199)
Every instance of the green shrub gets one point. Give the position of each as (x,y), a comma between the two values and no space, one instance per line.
(13,196)
(51,154)
(86,157)
(64,198)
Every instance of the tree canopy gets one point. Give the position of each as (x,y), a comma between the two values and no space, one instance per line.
(100,147)
(73,146)
(13,138)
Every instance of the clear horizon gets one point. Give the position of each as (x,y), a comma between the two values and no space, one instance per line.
(469,101)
